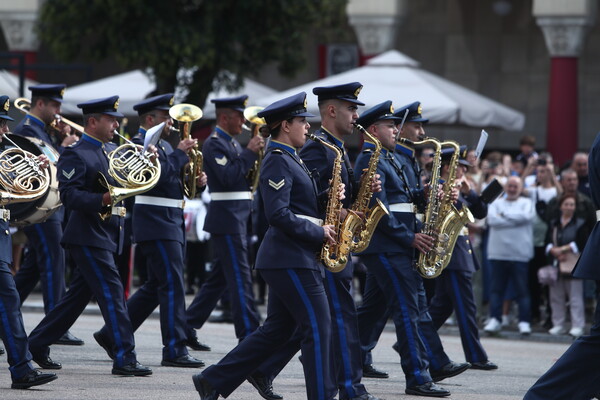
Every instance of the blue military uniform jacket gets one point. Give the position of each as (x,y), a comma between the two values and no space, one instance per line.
(587,266)
(463,258)
(314,153)
(226,165)
(396,232)
(78,170)
(287,191)
(158,222)
(31,126)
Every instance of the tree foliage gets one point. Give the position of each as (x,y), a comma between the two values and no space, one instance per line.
(210,36)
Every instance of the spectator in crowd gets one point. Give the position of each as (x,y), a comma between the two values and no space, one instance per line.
(527,147)
(474,173)
(545,188)
(580,166)
(566,238)
(584,208)
(510,247)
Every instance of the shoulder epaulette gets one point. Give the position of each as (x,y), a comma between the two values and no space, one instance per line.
(367,151)
(277,151)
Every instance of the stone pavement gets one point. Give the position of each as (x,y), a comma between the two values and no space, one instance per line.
(86,369)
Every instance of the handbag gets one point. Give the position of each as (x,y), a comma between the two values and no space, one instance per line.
(566,266)
(547,275)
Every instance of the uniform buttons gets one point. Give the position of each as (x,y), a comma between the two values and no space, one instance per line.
(470,252)
(6,232)
(467,241)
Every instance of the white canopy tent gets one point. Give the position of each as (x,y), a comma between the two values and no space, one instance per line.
(397,77)
(133,86)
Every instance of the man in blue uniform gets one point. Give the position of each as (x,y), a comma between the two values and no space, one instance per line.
(575,374)
(226,165)
(286,260)
(45,258)
(392,279)
(91,242)
(453,288)
(159,231)
(12,330)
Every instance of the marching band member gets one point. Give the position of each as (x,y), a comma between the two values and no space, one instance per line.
(287,262)
(389,260)
(159,231)
(45,258)
(92,243)
(226,165)
(12,330)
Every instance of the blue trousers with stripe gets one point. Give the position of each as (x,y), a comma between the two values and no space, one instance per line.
(231,270)
(96,274)
(454,293)
(12,330)
(44,262)
(403,294)
(346,353)
(297,300)
(164,287)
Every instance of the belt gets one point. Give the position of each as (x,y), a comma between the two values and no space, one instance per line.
(314,220)
(5,214)
(119,211)
(220,196)
(420,216)
(597,215)
(160,201)
(464,231)
(402,207)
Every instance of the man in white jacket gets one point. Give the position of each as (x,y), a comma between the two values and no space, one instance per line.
(510,247)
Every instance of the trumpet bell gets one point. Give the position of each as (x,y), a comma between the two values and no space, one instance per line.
(250,113)
(185,112)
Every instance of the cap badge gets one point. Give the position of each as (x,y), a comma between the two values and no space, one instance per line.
(62,92)
(305,103)
(6,105)
(116,105)
(357,91)
(391,109)
(171,101)
(419,110)
(245,103)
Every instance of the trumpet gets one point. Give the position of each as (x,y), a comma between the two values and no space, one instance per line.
(257,127)
(185,114)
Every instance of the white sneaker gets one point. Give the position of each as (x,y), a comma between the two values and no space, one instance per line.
(524,328)
(576,332)
(505,320)
(557,330)
(492,326)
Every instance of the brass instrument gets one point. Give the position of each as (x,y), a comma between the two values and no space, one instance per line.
(335,257)
(258,124)
(22,178)
(362,237)
(135,170)
(23,105)
(185,114)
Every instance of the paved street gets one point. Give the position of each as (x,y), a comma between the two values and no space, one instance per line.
(86,369)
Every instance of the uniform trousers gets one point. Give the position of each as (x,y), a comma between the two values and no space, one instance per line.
(45,262)
(164,287)
(12,330)
(96,274)
(417,341)
(576,374)
(454,293)
(231,270)
(346,353)
(297,300)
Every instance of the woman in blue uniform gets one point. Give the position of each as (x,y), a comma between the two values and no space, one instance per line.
(287,262)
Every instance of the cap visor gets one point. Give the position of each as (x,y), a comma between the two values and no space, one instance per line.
(6,117)
(114,114)
(304,114)
(360,103)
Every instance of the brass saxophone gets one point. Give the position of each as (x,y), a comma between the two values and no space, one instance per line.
(250,113)
(335,257)
(362,237)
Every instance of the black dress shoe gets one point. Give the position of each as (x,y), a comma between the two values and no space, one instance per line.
(206,391)
(225,318)
(366,396)
(428,389)
(263,386)
(33,378)
(104,343)
(185,361)
(133,369)
(486,365)
(194,344)
(46,362)
(369,371)
(449,370)
(69,340)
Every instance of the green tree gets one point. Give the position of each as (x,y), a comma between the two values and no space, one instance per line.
(206,37)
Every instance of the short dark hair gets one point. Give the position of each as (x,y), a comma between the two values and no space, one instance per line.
(527,140)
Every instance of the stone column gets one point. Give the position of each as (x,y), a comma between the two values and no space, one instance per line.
(564,25)
(18,24)
(375,23)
